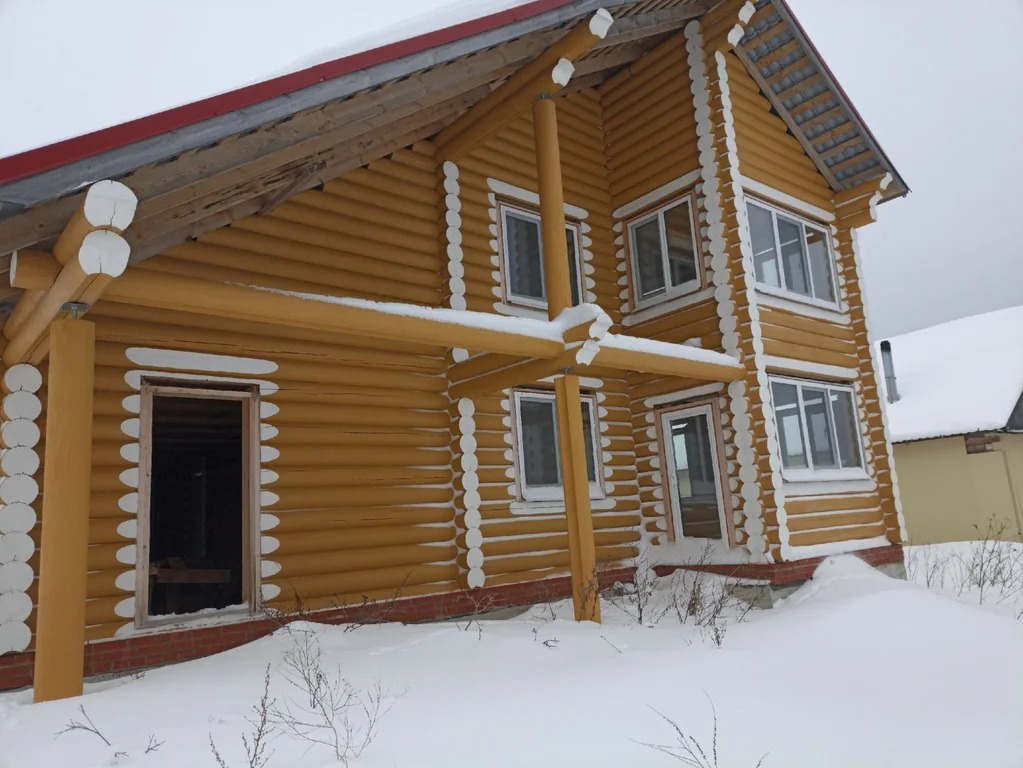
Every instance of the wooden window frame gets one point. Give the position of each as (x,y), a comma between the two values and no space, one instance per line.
(713,412)
(809,473)
(503,207)
(671,292)
(249,395)
(804,222)
(551,493)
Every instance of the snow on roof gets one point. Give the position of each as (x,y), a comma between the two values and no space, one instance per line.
(123,59)
(958,377)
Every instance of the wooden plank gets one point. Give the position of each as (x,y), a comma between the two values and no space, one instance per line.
(45,220)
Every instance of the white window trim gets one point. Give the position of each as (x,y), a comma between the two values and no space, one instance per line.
(514,299)
(555,493)
(669,455)
(671,291)
(809,473)
(785,293)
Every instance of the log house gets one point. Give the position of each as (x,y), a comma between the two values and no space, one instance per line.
(494,314)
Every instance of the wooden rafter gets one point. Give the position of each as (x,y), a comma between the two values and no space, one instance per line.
(519,90)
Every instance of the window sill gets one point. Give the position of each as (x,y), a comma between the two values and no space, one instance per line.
(554,507)
(794,489)
(793,302)
(801,477)
(651,310)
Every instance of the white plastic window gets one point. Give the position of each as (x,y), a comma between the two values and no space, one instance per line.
(664,253)
(522,248)
(537,435)
(791,256)
(818,430)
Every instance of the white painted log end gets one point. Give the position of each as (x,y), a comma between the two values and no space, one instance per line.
(23,377)
(127,555)
(14,636)
(475,578)
(17,518)
(600,23)
(562,72)
(103,253)
(269,591)
(110,204)
(126,608)
(15,576)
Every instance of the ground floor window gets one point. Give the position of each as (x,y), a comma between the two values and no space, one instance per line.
(693,476)
(818,429)
(196,505)
(536,431)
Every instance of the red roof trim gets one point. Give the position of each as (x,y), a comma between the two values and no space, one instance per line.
(80,147)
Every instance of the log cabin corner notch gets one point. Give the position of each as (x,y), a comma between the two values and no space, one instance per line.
(404,431)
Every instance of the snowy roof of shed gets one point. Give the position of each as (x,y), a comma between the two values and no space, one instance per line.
(959,377)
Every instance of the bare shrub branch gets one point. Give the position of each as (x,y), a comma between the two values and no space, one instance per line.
(255,745)
(332,712)
(688,749)
(88,726)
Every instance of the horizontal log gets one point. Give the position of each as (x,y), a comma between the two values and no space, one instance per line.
(396,578)
(188,294)
(358,517)
(318,498)
(358,454)
(336,477)
(104,631)
(275,338)
(348,561)
(290,435)
(379,604)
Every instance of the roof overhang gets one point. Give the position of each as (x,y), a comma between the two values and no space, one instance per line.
(203,165)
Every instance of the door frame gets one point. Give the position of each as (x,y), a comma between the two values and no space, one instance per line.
(249,396)
(710,410)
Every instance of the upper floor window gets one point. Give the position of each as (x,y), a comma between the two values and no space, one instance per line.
(522,248)
(537,436)
(664,253)
(818,430)
(791,255)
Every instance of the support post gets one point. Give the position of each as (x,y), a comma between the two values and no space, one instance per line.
(571,439)
(60,617)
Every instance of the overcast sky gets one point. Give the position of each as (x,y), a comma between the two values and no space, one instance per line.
(940,84)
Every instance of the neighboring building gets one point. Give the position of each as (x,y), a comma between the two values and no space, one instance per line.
(343,372)
(957,425)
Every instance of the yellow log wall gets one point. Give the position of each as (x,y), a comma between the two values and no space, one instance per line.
(356,493)
(522,542)
(768,153)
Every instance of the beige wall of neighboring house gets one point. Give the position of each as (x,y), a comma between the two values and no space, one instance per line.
(948,494)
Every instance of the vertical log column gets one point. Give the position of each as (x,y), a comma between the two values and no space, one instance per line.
(60,619)
(571,439)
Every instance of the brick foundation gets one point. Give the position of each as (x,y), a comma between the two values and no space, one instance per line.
(123,655)
(778,574)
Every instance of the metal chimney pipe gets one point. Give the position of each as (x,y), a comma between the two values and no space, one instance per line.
(891,388)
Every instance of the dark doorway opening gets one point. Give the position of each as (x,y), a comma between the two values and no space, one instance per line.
(197,504)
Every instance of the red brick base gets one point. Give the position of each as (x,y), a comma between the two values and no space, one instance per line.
(122,655)
(787,573)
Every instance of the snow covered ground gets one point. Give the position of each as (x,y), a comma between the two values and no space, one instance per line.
(854,669)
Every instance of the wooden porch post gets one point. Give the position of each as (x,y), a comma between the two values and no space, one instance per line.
(60,618)
(571,438)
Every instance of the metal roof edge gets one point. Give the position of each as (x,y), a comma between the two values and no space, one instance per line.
(789,18)
(213,118)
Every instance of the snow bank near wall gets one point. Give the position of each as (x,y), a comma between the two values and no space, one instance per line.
(110,61)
